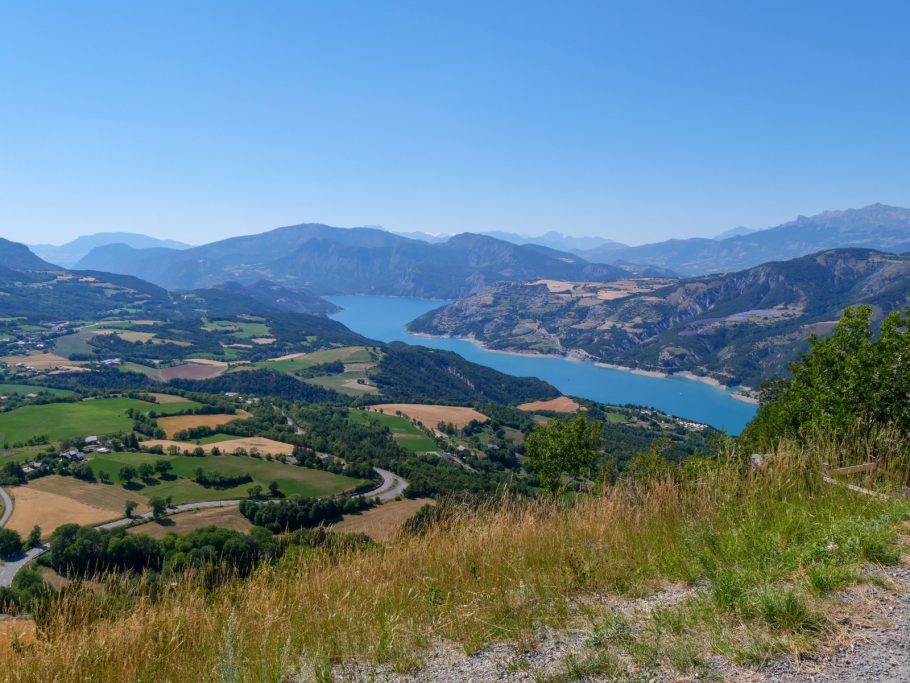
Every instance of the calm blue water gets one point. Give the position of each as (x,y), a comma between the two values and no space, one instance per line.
(384,318)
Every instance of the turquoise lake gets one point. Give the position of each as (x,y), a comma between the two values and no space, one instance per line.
(384,318)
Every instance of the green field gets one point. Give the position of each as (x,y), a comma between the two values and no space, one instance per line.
(409,436)
(346,354)
(241,330)
(21,453)
(24,389)
(289,366)
(291,479)
(340,384)
(141,369)
(59,421)
(76,343)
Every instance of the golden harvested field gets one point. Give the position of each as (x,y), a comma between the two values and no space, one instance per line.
(20,631)
(194,369)
(50,510)
(172,425)
(604,291)
(260,443)
(40,361)
(102,496)
(431,415)
(132,336)
(563,404)
(342,353)
(225,517)
(381,523)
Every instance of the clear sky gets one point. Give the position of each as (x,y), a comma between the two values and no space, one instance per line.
(632,120)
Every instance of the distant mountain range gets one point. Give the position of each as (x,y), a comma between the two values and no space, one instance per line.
(374,260)
(69,254)
(18,256)
(742,327)
(886,228)
(331,260)
(552,239)
(40,291)
(735,232)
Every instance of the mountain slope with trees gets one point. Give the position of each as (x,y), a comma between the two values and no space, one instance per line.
(741,328)
(349,261)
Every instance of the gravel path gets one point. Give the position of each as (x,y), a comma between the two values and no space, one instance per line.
(877,635)
(872,645)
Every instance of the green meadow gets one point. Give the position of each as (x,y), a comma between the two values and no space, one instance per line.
(292,480)
(409,436)
(59,421)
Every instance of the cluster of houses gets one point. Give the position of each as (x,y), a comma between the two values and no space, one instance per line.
(36,340)
(92,445)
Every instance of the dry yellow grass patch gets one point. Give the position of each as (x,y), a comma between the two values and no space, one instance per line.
(260,443)
(432,415)
(207,361)
(556,286)
(263,340)
(609,291)
(106,497)
(21,631)
(135,337)
(176,423)
(168,398)
(383,522)
(563,404)
(224,517)
(33,506)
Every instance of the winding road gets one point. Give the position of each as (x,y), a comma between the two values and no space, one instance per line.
(7,507)
(391,487)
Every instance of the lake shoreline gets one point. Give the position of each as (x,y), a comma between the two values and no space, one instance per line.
(582,357)
(571,374)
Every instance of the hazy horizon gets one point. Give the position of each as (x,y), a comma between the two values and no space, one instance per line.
(438,234)
(635,123)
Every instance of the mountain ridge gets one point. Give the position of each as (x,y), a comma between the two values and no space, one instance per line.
(68,255)
(741,327)
(349,261)
(877,226)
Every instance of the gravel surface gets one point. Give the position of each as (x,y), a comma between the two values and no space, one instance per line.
(876,634)
(871,643)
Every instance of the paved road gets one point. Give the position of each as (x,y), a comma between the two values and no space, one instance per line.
(7,507)
(391,487)
(9,569)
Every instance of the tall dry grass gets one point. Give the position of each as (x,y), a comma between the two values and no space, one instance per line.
(486,575)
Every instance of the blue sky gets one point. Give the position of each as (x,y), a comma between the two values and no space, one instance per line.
(636,121)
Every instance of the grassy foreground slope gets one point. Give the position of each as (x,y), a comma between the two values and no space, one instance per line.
(757,548)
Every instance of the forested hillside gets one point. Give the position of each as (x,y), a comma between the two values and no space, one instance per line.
(349,261)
